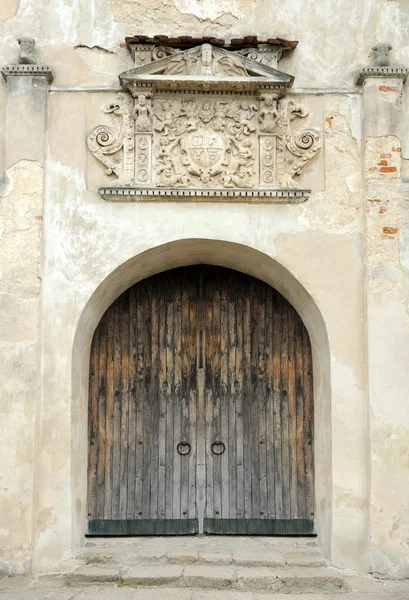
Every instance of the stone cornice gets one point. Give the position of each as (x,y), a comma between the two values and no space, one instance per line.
(382,72)
(256,196)
(28,71)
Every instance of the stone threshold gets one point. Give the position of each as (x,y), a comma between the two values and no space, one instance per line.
(257,196)
(287,581)
(248,552)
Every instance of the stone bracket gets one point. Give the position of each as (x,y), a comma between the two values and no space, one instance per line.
(28,71)
(256,196)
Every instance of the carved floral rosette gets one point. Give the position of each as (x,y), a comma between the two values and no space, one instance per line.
(235,129)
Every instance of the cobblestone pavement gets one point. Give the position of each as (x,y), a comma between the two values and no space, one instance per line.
(24,588)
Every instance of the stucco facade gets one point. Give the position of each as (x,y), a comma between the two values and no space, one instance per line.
(341,258)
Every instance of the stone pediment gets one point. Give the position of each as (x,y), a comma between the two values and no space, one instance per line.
(206,67)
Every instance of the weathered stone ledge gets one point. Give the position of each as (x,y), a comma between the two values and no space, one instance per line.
(398,72)
(272,196)
(28,71)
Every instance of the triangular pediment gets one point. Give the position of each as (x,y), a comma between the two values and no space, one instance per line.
(206,63)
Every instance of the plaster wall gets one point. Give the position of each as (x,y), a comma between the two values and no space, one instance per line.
(89,246)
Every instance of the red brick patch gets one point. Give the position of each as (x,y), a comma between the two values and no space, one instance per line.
(388,170)
(385,155)
(388,88)
(383,163)
(390,230)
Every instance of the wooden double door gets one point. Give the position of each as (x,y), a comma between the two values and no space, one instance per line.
(201,410)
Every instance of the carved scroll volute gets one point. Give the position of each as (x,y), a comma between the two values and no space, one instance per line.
(114,146)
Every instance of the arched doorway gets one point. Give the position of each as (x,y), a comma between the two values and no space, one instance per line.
(201,410)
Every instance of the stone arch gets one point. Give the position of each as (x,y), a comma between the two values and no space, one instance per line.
(221,253)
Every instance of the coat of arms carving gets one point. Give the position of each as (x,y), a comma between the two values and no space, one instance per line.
(206,122)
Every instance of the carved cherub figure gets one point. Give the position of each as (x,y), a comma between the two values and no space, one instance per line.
(163,154)
(207,111)
(166,117)
(241,178)
(170,179)
(142,113)
(246,117)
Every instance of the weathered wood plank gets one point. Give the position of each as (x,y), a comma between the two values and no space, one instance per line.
(177,399)
(93,421)
(170,388)
(162,433)
(308,425)
(299,367)
(238,398)
(108,426)
(124,323)
(224,400)
(132,418)
(270,463)
(285,450)
(278,485)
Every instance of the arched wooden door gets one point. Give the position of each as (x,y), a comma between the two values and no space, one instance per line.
(201,410)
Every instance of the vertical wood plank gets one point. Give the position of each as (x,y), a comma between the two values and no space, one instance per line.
(224,399)
(162,434)
(247,402)
(153,397)
(146,400)
(132,418)
(170,394)
(93,420)
(109,413)
(300,419)
(139,409)
(270,463)
(277,407)
(216,425)
(177,411)
(261,396)
(238,397)
(292,420)
(191,351)
(208,285)
(285,454)
(124,323)
(184,475)
(308,425)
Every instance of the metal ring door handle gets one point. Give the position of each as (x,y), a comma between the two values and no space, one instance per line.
(183,448)
(218,448)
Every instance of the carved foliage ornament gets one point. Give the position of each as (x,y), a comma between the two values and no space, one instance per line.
(161,137)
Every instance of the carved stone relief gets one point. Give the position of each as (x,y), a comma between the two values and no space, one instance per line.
(212,139)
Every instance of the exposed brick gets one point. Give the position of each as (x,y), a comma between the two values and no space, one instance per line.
(386,155)
(388,88)
(383,163)
(390,230)
(396,149)
(382,210)
(388,170)
(372,169)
